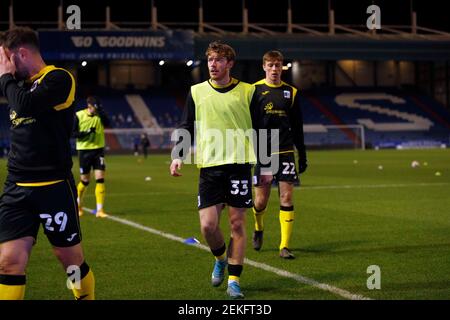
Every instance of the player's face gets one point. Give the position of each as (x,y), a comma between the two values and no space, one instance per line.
(20,60)
(91,109)
(273,69)
(219,67)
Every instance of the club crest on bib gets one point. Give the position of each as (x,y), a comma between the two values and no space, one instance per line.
(12,115)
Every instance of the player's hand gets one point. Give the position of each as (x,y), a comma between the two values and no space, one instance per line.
(302,165)
(99,108)
(175,166)
(7,64)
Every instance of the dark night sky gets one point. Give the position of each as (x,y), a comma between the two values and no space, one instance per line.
(431,13)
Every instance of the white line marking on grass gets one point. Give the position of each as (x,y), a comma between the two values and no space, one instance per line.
(323,187)
(323,286)
(283,273)
(376,186)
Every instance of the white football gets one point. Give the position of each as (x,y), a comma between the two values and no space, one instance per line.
(415,164)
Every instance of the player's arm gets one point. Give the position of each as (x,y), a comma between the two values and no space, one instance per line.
(7,66)
(296,119)
(103,116)
(76,133)
(52,94)
(256,121)
(187,123)
(255,111)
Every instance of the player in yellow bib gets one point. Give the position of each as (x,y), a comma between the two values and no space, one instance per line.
(89,132)
(220,111)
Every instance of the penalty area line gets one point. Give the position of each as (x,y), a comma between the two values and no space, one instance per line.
(263,266)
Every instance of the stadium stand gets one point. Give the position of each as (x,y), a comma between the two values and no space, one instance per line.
(164,108)
(132,112)
(391,117)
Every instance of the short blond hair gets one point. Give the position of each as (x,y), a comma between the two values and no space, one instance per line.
(273,55)
(222,50)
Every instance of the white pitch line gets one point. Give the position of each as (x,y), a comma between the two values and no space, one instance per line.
(323,187)
(376,186)
(283,273)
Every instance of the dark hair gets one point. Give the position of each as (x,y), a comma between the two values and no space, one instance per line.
(92,100)
(2,38)
(273,55)
(20,37)
(221,49)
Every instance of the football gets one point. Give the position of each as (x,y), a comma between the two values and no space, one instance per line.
(415,164)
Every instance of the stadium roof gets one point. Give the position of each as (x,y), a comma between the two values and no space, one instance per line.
(322,29)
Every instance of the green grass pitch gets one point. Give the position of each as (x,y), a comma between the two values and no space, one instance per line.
(349,215)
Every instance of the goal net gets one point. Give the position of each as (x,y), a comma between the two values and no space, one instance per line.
(318,136)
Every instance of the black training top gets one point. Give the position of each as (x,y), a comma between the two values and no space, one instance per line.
(41,111)
(278,107)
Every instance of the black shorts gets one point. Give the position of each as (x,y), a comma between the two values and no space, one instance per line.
(286,170)
(230,184)
(23,209)
(94,159)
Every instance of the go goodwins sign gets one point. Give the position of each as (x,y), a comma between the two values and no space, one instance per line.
(116,45)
